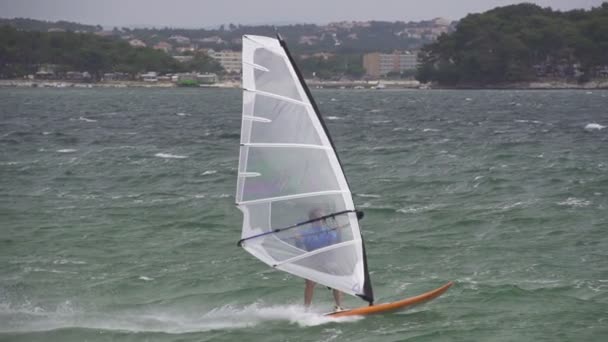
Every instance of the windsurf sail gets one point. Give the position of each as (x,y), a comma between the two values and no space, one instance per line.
(298,212)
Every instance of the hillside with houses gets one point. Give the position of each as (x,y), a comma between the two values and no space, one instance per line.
(327,52)
(339,37)
(506,45)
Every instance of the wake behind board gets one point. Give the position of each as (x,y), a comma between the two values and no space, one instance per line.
(393,306)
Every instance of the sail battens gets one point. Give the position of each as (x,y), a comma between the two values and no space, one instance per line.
(319,147)
(256,118)
(249,174)
(278,97)
(290,197)
(316,251)
(256,66)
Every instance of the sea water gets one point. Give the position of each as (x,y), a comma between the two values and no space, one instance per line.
(117,217)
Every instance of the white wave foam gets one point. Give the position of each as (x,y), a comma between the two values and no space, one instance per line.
(574,202)
(593,127)
(68,261)
(507,206)
(529,121)
(368,195)
(82,118)
(145,278)
(170,156)
(430,130)
(182,114)
(365,205)
(334,118)
(255,313)
(381,121)
(34,318)
(414,210)
(46,270)
(67,150)
(512,205)
(209,172)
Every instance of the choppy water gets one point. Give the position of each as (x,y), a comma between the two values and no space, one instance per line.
(117,217)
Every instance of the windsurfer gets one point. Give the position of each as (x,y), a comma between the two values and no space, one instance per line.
(318,236)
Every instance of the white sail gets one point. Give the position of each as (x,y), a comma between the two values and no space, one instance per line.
(289,174)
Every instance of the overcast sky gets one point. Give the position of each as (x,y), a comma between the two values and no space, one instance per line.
(205,13)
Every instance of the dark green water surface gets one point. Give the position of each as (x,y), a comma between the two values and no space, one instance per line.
(117,217)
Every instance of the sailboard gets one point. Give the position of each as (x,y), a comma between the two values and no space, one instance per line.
(298,212)
(398,305)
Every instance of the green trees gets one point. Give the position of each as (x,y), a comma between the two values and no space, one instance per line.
(22,52)
(42,25)
(514,43)
(203,63)
(333,66)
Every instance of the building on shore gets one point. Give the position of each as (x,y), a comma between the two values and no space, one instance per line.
(77,76)
(229,60)
(46,72)
(180,39)
(137,43)
(183,59)
(207,78)
(211,40)
(380,64)
(183,49)
(163,46)
(116,76)
(150,76)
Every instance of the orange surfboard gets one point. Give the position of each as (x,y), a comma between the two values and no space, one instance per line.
(393,306)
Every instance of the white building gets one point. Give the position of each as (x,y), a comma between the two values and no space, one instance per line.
(150,76)
(378,64)
(213,39)
(163,46)
(137,43)
(180,39)
(183,59)
(229,60)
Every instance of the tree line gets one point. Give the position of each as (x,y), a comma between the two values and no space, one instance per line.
(23,52)
(372,36)
(332,66)
(519,43)
(27,24)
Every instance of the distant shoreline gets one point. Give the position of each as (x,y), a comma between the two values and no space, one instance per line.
(539,85)
(313,84)
(112,84)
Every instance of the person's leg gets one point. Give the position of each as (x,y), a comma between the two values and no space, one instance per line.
(308,292)
(338,298)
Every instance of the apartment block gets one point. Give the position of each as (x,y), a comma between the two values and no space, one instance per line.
(229,60)
(379,64)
